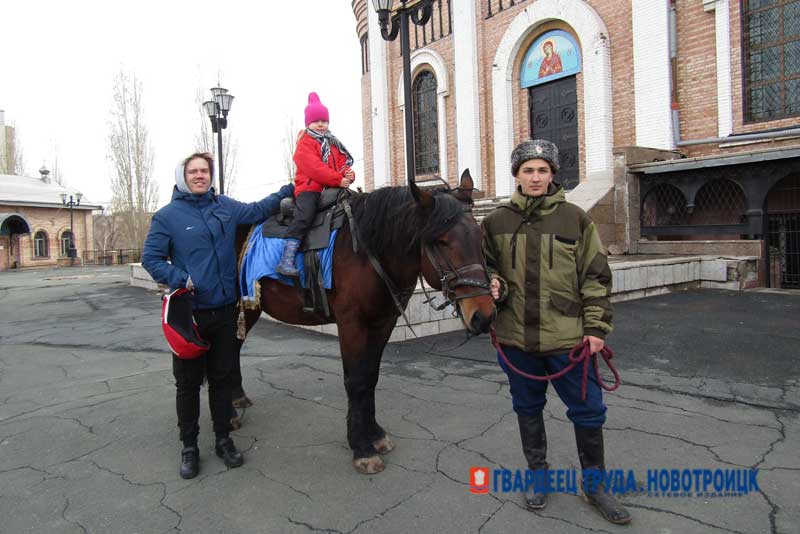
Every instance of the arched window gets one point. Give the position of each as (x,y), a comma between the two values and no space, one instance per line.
(664,205)
(41,247)
(66,242)
(426,123)
(719,202)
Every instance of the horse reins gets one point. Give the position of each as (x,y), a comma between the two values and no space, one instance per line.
(580,353)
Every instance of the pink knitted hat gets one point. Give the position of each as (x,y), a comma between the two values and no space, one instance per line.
(315,111)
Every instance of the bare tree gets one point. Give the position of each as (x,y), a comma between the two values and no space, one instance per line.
(18,160)
(15,162)
(56,174)
(134,191)
(106,230)
(289,142)
(206,141)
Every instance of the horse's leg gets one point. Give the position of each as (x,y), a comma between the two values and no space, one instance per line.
(377,435)
(362,349)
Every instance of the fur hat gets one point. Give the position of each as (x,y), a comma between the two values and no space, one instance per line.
(315,111)
(534,149)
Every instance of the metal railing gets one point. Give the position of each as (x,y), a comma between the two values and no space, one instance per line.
(112,257)
(496,6)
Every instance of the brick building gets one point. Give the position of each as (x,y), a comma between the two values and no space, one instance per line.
(678,121)
(35,224)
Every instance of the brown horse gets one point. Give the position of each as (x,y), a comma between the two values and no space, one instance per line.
(410,232)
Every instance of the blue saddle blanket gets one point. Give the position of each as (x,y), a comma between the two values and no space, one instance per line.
(263,255)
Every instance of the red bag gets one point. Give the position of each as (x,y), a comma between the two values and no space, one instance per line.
(179,326)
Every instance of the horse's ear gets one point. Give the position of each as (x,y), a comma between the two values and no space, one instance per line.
(421,197)
(466,181)
(465,188)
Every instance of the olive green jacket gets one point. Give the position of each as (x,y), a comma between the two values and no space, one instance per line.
(555,282)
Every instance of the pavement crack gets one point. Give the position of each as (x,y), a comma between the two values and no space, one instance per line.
(163,504)
(780,439)
(284,484)
(732,399)
(77,421)
(311,527)
(392,507)
(709,448)
(404,417)
(491,516)
(294,395)
(684,516)
(684,411)
(66,520)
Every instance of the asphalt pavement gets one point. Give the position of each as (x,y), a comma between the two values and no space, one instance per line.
(88,437)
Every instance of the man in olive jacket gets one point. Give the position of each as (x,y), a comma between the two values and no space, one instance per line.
(551,280)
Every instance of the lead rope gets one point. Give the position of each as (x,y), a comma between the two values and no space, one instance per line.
(582,357)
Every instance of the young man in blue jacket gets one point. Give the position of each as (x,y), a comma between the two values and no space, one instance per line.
(196,231)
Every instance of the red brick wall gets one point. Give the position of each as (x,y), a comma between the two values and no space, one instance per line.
(695,85)
(697,82)
(54,221)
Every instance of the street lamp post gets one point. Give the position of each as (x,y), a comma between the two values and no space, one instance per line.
(419,13)
(217,110)
(72,252)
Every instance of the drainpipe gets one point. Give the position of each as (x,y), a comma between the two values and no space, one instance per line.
(744,137)
(673,63)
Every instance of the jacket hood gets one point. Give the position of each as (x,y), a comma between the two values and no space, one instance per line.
(183,189)
(177,193)
(180,177)
(555,195)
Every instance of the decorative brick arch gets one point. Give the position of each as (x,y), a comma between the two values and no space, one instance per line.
(430,60)
(593,36)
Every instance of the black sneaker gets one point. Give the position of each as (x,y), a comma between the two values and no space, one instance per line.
(226,450)
(190,462)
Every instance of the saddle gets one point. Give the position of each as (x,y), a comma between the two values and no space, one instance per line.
(333,209)
(330,216)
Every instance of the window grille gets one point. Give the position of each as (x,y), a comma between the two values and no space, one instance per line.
(772,59)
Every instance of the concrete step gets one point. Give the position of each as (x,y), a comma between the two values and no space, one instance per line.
(484,206)
(632,278)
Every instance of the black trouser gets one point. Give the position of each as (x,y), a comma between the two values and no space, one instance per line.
(305,208)
(218,328)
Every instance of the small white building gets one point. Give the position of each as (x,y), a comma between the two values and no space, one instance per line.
(37,226)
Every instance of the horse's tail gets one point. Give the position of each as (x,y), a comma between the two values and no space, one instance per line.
(250,304)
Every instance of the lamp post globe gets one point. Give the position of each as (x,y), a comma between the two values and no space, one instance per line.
(217,110)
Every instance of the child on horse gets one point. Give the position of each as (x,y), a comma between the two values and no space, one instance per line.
(322,161)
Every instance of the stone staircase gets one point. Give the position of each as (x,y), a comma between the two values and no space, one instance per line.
(483,206)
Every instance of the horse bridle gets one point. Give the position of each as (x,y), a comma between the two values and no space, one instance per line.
(451,277)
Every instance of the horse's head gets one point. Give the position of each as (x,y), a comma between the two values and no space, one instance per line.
(452,260)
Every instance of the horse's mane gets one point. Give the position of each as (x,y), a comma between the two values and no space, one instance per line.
(391,224)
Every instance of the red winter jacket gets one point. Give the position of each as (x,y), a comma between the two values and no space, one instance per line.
(312,174)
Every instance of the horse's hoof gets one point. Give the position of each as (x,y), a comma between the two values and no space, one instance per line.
(369,466)
(242,402)
(383,445)
(235,423)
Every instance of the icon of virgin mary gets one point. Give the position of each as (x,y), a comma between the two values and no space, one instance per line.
(551,64)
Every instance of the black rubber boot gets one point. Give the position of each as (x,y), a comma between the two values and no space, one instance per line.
(226,450)
(590,452)
(534,447)
(286,266)
(190,462)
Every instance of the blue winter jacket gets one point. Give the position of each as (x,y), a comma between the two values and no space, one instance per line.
(197,233)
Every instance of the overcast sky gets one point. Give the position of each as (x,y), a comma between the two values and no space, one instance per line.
(60,59)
